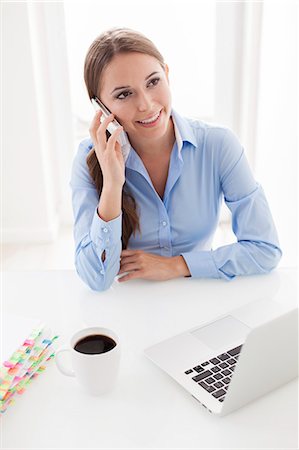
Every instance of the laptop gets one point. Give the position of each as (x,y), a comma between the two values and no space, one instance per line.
(227,363)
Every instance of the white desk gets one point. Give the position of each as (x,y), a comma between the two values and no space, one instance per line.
(147,409)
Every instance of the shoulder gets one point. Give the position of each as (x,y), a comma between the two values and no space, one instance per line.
(84,148)
(212,135)
(80,172)
(216,144)
(216,138)
(204,135)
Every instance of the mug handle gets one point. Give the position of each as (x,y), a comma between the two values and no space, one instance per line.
(61,367)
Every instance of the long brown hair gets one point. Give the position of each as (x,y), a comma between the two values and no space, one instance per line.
(99,55)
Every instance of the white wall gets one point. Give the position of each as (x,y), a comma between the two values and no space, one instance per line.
(37,142)
(276,165)
(269,111)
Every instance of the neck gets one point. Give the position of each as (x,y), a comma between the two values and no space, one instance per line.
(157,147)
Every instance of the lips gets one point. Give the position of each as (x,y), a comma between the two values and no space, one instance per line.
(153,118)
(152,121)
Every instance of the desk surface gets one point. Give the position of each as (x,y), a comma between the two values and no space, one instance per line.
(147,409)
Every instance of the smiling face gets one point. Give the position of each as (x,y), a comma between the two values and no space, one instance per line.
(135,88)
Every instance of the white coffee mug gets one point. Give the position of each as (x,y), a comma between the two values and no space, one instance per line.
(97,373)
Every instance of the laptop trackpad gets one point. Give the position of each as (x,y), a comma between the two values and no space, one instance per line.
(222,332)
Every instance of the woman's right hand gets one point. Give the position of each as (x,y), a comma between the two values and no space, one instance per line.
(108,152)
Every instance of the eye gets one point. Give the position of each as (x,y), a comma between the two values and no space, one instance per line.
(154,81)
(125,94)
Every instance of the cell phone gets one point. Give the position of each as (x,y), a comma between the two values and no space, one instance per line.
(112,126)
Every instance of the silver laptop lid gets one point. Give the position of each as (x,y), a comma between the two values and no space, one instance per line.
(269,359)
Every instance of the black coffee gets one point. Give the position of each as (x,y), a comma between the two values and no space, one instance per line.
(95,344)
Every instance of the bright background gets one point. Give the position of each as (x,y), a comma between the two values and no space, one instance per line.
(233,63)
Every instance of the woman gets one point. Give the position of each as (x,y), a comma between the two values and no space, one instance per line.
(153,216)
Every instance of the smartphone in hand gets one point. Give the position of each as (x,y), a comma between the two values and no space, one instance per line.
(112,126)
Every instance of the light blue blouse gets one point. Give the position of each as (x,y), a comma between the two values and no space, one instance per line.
(207,164)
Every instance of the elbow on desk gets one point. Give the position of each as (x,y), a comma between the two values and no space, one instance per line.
(266,255)
(96,283)
(277,254)
(94,280)
(270,257)
(99,287)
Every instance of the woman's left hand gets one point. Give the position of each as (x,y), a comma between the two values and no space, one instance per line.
(148,266)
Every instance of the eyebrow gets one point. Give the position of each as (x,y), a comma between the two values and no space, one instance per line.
(124,87)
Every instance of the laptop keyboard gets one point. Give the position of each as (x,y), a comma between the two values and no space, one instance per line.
(215,375)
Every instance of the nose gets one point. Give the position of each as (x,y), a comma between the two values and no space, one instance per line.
(144,101)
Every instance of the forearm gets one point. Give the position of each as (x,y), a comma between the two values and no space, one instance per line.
(97,275)
(99,238)
(110,203)
(229,261)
